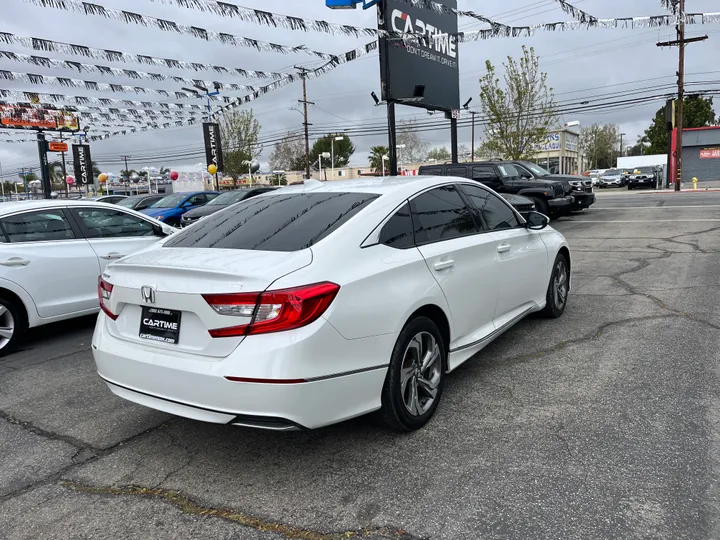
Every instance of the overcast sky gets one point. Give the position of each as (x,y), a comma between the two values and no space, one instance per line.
(580,64)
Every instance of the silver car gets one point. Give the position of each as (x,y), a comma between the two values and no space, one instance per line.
(612,178)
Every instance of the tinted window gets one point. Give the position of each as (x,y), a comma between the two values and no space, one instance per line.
(171,201)
(441,214)
(112,224)
(40,226)
(462,172)
(227,198)
(432,170)
(287,222)
(398,231)
(496,214)
(483,172)
(200,198)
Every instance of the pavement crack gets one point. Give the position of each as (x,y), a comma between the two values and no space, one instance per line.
(32,428)
(187,505)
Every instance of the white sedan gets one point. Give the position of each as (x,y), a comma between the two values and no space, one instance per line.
(51,254)
(318,303)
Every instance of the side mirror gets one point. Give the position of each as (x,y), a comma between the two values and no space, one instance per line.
(537,221)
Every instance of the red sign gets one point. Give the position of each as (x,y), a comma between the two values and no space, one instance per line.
(58,147)
(710,153)
(19,117)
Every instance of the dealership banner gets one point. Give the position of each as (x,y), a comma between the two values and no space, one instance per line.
(213,150)
(82,162)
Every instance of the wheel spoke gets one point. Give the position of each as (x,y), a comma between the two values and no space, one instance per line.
(405,376)
(3,310)
(7,332)
(414,399)
(415,348)
(429,386)
(430,357)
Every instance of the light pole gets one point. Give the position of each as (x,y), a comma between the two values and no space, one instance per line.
(332,154)
(384,157)
(621,144)
(322,155)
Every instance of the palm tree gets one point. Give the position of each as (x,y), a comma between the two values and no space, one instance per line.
(376,157)
(56,172)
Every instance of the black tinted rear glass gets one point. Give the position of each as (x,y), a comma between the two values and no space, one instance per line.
(287,222)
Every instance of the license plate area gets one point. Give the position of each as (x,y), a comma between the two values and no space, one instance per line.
(161,325)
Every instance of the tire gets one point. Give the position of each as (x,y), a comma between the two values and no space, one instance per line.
(12,324)
(557,291)
(542,206)
(407,403)
(629,187)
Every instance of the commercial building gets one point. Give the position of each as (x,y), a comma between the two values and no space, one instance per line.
(560,153)
(701,154)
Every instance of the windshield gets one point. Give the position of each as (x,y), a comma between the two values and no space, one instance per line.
(227,198)
(171,201)
(612,172)
(645,169)
(537,169)
(129,202)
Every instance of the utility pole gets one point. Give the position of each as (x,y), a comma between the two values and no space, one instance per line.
(303,75)
(64,169)
(472,143)
(680,42)
(127,175)
(622,152)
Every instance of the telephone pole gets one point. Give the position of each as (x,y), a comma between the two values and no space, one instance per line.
(680,42)
(303,74)
(472,143)
(126,175)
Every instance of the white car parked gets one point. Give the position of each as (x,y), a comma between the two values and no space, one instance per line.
(51,254)
(318,303)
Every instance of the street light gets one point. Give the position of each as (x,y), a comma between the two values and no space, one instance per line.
(384,158)
(332,154)
(322,155)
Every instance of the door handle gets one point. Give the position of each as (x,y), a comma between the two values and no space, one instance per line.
(14,261)
(113,255)
(504,248)
(442,265)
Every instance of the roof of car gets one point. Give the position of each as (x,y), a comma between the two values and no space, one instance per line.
(385,184)
(9,207)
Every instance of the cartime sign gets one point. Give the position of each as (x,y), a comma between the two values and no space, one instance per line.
(82,163)
(213,149)
(419,55)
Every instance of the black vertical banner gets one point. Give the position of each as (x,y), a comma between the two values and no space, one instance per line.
(82,164)
(213,149)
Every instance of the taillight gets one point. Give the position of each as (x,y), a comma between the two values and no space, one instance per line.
(273,311)
(104,292)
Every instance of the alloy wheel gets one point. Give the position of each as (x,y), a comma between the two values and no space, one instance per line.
(7,326)
(560,284)
(420,373)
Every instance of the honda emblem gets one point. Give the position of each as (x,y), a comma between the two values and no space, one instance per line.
(148,294)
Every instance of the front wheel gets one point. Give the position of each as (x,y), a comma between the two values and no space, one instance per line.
(542,206)
(558,288)
(416,376)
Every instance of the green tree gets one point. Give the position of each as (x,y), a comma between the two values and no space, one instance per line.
(96,170)
(599,144)
(28,176)
(343,150)
(289,153)
(239,134)
(376,158)
(440,154)
(55,169)
(520,115)
(697,112)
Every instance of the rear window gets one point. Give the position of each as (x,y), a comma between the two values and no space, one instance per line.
(288,222)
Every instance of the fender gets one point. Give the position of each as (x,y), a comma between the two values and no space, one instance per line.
(540,192)
(28,302)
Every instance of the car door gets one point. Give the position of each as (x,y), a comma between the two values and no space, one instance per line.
(462,258)
(487,175)
(522,255)
(114,233)
(44,252)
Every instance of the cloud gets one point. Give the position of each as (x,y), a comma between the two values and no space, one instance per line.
(581,65)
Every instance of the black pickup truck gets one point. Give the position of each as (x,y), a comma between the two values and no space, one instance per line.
(551,197)
(582,189)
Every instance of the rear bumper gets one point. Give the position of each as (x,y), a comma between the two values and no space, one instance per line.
(195,387)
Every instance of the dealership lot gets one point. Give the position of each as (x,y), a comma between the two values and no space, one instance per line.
(600,424)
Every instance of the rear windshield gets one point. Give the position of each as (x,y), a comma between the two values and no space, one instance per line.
(171,201)
(283,222)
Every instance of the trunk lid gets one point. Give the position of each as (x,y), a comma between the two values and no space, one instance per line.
(178,278)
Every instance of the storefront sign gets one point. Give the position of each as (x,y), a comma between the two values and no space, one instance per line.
(571,142)
(710,153)
(550,144)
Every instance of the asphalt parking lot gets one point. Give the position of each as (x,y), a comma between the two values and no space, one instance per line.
(602,424)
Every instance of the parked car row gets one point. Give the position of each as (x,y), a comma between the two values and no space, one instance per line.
(635,178)
(553,195)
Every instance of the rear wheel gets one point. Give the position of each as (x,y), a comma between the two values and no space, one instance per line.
(416,376)
(558,288)
(12,323)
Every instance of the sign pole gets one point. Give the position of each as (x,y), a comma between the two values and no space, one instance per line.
(454,137)
(392,138)
(44,172)
(64,168)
